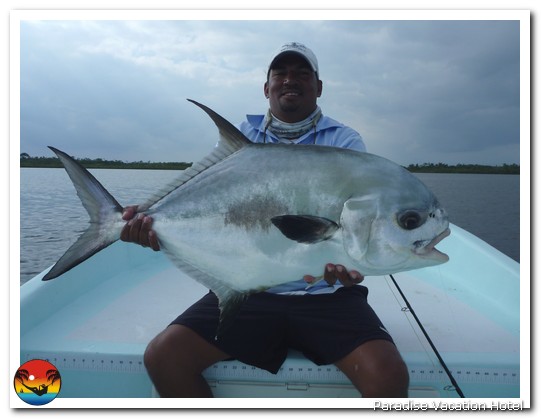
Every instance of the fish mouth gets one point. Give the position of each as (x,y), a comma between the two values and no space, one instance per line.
(427,248)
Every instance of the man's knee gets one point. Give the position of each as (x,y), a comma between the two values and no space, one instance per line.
(179,347)
(174,360)
(388,378)
(153,352)
(166,346)
(393,378)
(377,370)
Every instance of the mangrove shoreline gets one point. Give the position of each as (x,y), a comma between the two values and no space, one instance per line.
(53,162)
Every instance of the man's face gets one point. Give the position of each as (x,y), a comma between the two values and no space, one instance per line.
(292,88)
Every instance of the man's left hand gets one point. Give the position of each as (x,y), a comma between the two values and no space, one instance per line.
(335,273)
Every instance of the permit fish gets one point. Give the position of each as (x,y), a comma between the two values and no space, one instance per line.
(252,216)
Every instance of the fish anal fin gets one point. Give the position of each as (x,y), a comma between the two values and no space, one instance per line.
(229,300)
(307,229)
(229,304)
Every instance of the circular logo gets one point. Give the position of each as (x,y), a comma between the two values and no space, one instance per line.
(37,382)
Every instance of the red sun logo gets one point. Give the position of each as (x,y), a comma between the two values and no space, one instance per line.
(37,382)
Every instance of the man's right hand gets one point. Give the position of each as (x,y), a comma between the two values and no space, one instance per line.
(138,229)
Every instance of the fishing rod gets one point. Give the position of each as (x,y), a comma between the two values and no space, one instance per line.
(425,333)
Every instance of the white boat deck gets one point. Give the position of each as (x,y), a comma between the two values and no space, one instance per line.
(94,322)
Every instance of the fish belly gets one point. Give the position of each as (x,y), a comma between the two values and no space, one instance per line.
(244,260)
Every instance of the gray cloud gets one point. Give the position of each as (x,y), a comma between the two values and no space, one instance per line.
(418,91)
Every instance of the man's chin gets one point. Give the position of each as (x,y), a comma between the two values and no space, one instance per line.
(290,104)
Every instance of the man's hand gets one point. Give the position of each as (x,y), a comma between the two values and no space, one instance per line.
(138,229)
(335,273)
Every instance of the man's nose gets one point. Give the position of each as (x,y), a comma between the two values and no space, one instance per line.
(291,77)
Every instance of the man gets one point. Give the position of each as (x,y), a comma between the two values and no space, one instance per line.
(330,322)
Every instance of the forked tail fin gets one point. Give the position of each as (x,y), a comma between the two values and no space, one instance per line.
(105,217)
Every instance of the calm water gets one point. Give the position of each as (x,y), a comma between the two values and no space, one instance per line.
(52,216)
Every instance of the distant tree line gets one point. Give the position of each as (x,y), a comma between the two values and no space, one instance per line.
(53,162)
(506,169)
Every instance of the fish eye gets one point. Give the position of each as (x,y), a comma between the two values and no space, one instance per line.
(410,220)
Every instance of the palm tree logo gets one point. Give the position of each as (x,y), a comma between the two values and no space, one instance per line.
(37,382)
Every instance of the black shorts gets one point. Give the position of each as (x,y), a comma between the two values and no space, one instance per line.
(324,327)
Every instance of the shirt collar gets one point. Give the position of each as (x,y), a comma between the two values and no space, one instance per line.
(258,122)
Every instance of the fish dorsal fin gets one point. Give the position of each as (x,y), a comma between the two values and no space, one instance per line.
(231,140)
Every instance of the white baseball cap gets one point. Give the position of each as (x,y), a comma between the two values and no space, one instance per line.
(299,49)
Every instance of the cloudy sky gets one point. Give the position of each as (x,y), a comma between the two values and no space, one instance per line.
(416,90)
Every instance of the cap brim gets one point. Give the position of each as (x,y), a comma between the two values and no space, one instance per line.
(282,54)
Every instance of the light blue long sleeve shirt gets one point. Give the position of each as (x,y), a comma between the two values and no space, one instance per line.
(327,132)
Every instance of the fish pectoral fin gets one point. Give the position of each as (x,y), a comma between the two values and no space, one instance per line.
(357,218)
(307,229)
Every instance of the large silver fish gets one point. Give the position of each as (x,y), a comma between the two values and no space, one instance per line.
(252,216)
